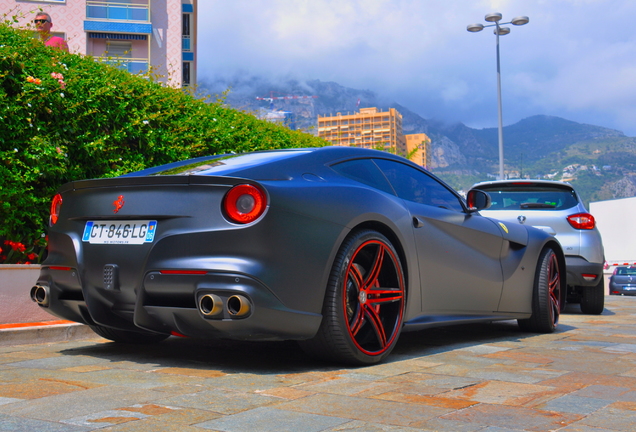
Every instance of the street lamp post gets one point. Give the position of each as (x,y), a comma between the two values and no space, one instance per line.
(495,18)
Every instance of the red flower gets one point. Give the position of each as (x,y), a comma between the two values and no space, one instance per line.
(32,256)
(16,246)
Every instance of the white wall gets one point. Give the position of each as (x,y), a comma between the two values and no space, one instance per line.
(616,221)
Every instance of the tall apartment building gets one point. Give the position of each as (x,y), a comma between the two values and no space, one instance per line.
(373,128)
(137,35)
(370,128)
(418,149)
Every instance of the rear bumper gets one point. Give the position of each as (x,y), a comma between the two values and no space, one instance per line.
(577,266)
(169,304)
(622,290)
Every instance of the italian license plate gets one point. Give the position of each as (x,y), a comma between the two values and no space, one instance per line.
(119,232)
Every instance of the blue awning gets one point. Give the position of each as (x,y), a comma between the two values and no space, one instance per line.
(118,36)
(117,27)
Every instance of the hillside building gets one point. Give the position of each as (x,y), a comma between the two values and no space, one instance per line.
(369,128)
(418,149)
(376,129)
(157,36)
(284,118)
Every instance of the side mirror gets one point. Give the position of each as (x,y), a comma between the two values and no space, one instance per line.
(477,200)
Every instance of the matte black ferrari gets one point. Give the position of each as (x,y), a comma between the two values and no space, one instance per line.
(339,248)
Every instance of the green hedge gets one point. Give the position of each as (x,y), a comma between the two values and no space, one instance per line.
(67,117)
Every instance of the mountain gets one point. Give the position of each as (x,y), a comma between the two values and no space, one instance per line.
(242,92)
(600,162)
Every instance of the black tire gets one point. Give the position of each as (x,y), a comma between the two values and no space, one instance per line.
(593,299)
(130,337)
(547,295)
(364,302)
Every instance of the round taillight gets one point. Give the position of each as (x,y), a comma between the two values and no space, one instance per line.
(584,221)
(55,209)
(244,203)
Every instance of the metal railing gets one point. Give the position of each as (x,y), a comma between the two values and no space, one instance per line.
(132,65)
(118,11)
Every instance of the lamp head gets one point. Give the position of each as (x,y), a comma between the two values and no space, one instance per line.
(475,28)
(502,30)
(520,20)
(493,17)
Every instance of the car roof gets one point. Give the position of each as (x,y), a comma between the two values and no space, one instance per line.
(267,164)
(522,182)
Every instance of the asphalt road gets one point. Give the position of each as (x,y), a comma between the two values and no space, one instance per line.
(487,377)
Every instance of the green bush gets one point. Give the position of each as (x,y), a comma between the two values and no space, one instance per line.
(66,117)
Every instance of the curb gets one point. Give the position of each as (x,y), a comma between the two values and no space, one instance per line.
(43,332)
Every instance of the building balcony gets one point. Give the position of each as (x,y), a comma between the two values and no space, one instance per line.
(132,65)
(109,10)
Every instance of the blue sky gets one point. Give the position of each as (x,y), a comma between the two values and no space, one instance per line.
(575,59)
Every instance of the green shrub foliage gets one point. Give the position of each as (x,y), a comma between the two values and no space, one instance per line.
(66,117)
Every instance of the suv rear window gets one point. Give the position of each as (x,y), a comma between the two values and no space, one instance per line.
(625,271)
(530,197)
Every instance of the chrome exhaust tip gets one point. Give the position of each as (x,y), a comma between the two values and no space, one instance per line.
(210,305)
(238,306)
(40,295)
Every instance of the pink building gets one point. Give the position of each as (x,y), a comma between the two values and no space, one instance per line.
(138,35)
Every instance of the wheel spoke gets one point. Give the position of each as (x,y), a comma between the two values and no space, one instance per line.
(357,321)
(356,276)
(385,295)
(376,267)
(376,323)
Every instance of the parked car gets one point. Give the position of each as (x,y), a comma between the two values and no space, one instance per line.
(339,248)
(556,208)
(623,281)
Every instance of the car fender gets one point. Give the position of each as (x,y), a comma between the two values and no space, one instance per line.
(519,264)
(351,207)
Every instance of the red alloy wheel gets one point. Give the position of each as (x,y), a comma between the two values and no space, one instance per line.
(554,288)
(373,297)
(547,296)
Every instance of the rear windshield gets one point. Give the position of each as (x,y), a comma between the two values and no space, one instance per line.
(534,197)
(626,271)
(221,165)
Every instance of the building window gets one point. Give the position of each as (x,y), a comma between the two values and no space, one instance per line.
(120,10)
(186,73)
(119,49)
(186,32)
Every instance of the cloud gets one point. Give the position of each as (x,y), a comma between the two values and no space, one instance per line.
(574,58)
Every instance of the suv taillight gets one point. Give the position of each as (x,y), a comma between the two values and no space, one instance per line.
(584,221)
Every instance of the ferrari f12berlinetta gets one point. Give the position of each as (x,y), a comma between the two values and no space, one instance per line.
(339,248)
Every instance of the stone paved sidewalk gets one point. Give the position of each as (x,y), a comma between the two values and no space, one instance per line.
(489,377)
